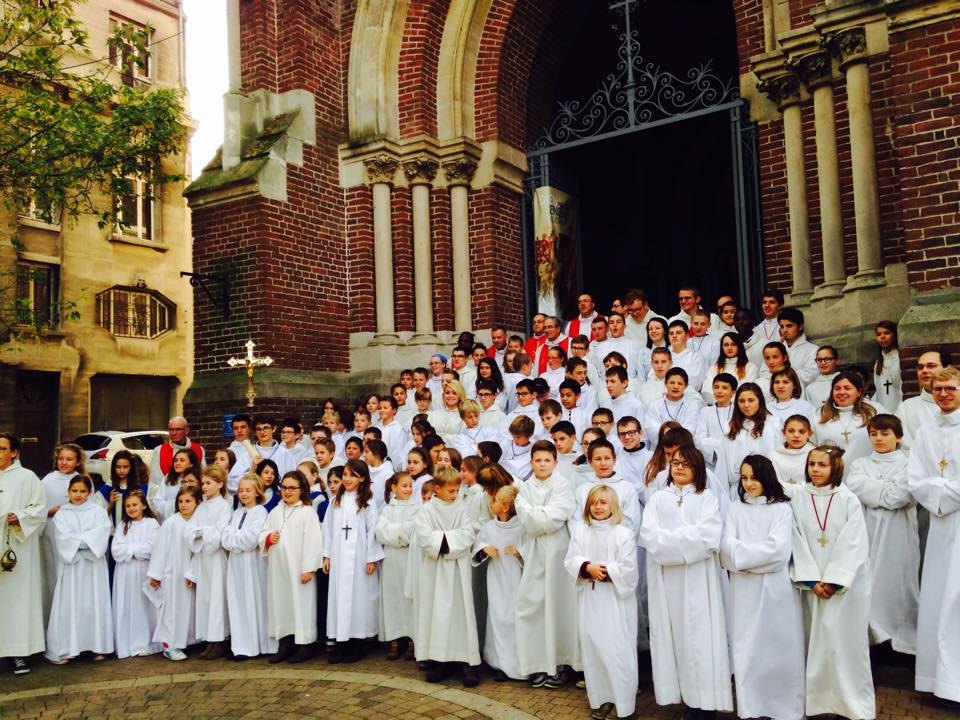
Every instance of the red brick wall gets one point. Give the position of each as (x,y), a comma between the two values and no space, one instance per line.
(359,241)
(419,58)
(442,259)
(749,19)
(402,219)
(926,127)
(773,194)
(495,258)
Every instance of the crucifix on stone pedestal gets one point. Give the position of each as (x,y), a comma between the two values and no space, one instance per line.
(250,362)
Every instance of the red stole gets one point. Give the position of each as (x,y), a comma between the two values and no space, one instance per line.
(573,327)
(540,362)
(533,343)
(167,452)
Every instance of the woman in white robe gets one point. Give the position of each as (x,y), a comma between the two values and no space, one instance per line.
(292,542)
(765,608)
(607,608)
(169,567)
(80,614)
(880,481)
(445,418)
(681,532)
(831,566)
(135,617)
(844,417)
(209,570)
(395,525)
(350,556)
(247,573)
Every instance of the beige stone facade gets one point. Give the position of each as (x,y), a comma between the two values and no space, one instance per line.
(127,361)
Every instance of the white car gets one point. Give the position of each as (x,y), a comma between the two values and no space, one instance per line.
(100,447)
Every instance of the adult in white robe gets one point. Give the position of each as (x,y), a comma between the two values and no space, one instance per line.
(350,542)
(765,609)
(292,604)
(849,432)
(135,617)
(607,612)
(21,623)
(209,569)
(445,617)
(681,532)
(247,583)
(546,599)
(934,480)
(888,382)
(80,615)
(830,545)
(395,525)
(791,467)
(447,423)
(880,482)
(503,574)
(170,564)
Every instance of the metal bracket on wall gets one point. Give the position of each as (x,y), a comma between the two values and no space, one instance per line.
(200,280)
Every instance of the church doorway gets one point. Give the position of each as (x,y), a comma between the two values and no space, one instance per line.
(642,169)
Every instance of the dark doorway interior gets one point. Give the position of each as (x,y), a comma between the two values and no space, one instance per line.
(129,402)
(37,413)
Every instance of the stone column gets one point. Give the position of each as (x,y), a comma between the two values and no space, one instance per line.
(233,45)
(380,172)
(420,173)
(458,173)
(785,91)
(851,48)
(816,71)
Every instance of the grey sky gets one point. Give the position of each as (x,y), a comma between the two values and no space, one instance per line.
(207,76)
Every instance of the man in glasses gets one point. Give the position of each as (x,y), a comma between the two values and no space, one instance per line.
(827,360)
(468,376)
(639,313)
(178,429)
(553,337)
(917,411)
(580,325)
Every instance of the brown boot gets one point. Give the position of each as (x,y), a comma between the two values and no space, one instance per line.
(394,653)
(410,654)
(214,651)
(205,652)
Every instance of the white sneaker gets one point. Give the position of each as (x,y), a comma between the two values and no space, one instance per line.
(174,654)
(146,652)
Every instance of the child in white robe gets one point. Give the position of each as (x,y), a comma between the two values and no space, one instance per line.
(831,565)
(681,532)
(603,461)
(167,573)
(69,464)
(602,560)
(753,431)
(714,421)
(135,617)
(184,472)
(498,546)
(292,542)
(446,620)
(880,481)
(380,469)
(209,570)
(395,525)
(547,641)
(765,608)
(790,458)
(351,556)
(247,572)
(80,614)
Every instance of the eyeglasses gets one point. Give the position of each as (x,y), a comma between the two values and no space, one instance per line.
(176,429)
(603,423)
(264,428)
(825,360)
(946,389)
(484,393)
(679,464)
(291,488)
(628,433)
(288,432)
(523,393)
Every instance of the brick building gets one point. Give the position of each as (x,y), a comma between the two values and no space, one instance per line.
(374,192)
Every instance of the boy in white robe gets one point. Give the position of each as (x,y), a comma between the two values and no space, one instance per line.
(381,469)
(446,620)
(881,483)
(672,405)
(515,453)
(392,432)
(290,452)
(622,401)
(714,421)
(547,641)
(498,546)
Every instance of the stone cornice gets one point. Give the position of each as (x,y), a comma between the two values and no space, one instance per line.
(381,169)
(848,46)
(814,69)
(421,170)
(784,89)
(459,171)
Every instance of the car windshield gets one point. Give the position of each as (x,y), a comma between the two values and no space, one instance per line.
(149,442)
(92,441)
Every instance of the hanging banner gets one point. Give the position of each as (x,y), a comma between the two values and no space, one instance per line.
(555,250)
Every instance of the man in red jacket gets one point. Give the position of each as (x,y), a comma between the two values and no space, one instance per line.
(178,428)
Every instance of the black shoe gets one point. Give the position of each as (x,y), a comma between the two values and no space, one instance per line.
(438,673)
(500,676)
(303,653)
(425,665)
(286,649)
(538,679)
(471,675)
(559,680)
(19,666)
(335,653)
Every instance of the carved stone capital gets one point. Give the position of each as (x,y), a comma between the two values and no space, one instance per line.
(783,89)
(420,170)
(814,69)
(848,46)
(381,169)
(460,170)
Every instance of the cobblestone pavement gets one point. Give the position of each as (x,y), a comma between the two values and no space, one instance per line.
(156,688)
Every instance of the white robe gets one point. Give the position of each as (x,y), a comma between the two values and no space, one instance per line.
(247,583)
(713,425)
(209,569)
(135,617)
(395,438)
(625,491)
(446,422)
(888,384)
(395,525)
(630,349)
(546,599)
(21,623)
(379,476)
(936,486)
(791,467)
(241,467)
(446,619)
(914,413)
(287,459)
(515,459)
(469,438)
(627,404)
(855,445)
(688,641)
(803,359)
(503,581)
(750,372)
(350,542)
(685,412)
(170,564)
(765,610)
(880,481)
(494,418)
(732,452)
(163,500)
(838,654)
(607,612)
(55,485)
(692,363)
(80,615)
(818,392)
(782,411)
(291,604)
